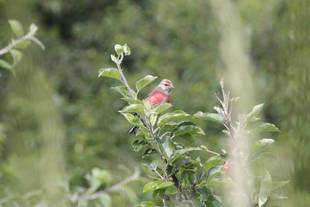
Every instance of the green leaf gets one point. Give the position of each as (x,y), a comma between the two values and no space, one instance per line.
(260,147)
(23,44)
(188,129)
(119,49)
(156,185)
(102,175)
(5,65)
(132,119)
(181,152)
(279,184)
(168,147)
(109,73)
(146,204)
(16,27)
(127,50)
(121,90)
(267,127)
(138,108)
(144,82)
(162,108)
(255,112)
(265,189)
(176,116)
(17,55)
(138,144)
(114,59)
(214,117)
(212,163)
(105,200)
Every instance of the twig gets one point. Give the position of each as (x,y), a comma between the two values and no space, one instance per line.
(28,36)
(113,188)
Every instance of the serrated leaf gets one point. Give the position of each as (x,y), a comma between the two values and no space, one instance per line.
(109,73)
(265,189)
(5,65)
(16,27)
(144,82)
(162,108)
(133,108)
(156,185)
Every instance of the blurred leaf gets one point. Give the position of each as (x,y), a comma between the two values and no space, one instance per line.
(209,116)
(162,108)
(138,144)
(5,65)
(16,27)
(102,175)
(132,119)
(144,82)
(114,59)
(265,189)
(172,117)
(138,108)
(126,49)
(188,129)
(267,127)
(279,184)
(23,44)
(168,147)
(255,112)
(109,73)
(146,204)
(121,90)
(105,200)
(17,55)
(118,49)
(212,162)
(156,185)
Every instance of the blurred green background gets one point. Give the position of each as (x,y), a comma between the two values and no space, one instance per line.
(58,121)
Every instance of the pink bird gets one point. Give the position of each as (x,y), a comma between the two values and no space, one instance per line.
(160,94)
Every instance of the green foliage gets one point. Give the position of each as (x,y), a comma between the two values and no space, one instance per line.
(182,174)
(21,41)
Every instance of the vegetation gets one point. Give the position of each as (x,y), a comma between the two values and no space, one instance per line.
(62,142)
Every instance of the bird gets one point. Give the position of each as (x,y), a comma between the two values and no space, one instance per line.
(159,95)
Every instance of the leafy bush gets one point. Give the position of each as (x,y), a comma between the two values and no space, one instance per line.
(182,174)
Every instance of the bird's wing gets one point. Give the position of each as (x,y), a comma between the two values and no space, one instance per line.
(157,97)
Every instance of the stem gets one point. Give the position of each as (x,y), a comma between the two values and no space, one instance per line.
(113,188)
(123,78)
(14,42)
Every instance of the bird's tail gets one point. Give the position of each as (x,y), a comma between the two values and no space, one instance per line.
(133,130)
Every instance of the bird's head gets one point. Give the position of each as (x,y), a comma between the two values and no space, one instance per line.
(166,85)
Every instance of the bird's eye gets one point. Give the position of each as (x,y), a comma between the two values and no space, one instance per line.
(166,84)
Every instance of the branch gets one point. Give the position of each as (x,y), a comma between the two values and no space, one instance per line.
(29,36)
(113,188)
